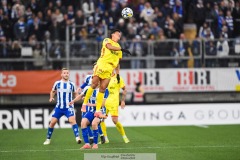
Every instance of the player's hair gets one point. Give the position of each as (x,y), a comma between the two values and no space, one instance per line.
(94,64)
(63,69)
(113,31)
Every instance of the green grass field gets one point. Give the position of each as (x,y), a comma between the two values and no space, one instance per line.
(169,143)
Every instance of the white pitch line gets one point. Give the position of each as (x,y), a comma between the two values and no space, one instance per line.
(157,147)
(201,126)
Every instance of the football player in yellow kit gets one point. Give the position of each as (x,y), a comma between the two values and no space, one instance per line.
(111,53)
(112,104)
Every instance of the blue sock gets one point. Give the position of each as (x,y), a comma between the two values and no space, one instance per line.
(85,135)
(75,130)
(49,133)
(89,131)
(100,129)
(95,136)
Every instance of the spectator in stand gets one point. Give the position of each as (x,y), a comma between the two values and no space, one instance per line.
(210,50)
(49,7)
(91,29)
(236,18)
(58,15)
(54,30)
(7,27)
(57,52)
(230,25)
(221,21)
(18,10)
(114,11)
(1,33)
(178,24)
(62,8)
(132,24)
(171,31)
(108,20)
(122,24)
(6,8)
(88,8)
(147,13)
(136,48)
(145,30)
(199,14)
(222,47)
(70,12)
(34,6)
(5,52)
(178,8)
(47,43)
(224,32)
(161,36)
(222,51)
(160,19)
(155,29)
(39,57)
(21,29)
(138,9)
(205,31)
(101,6)
(166,10)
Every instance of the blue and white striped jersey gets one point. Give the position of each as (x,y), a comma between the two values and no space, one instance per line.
(65,92)
(87,81)
(93,98)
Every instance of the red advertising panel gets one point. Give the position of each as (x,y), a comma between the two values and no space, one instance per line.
(27,82)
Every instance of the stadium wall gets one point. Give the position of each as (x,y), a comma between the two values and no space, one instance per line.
(38,117)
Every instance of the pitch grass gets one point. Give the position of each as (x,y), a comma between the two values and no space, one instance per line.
(169,143)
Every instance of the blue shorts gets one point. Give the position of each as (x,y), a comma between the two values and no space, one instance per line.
(89,116)
(68,112)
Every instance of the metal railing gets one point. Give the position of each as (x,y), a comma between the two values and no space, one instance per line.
(146,54)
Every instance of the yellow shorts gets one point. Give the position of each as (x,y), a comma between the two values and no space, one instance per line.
(103,71)
(112,110)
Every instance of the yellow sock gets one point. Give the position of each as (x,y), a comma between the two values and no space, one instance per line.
(88,95)
(100,96)
(120,128)
(104,128)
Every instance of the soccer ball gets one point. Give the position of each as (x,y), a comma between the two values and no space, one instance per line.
(127,13)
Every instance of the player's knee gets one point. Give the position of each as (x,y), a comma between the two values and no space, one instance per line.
(94,125)
(115,120)
(83,124)
(52,124)
(102,90)
(72,121)
(94,85)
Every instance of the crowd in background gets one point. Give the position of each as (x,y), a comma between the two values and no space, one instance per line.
(35,21)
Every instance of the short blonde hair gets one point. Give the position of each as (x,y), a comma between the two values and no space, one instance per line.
(64,69)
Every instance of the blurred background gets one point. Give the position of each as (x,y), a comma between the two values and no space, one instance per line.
(183,51)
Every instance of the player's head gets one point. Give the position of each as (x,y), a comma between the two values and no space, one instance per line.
(94,65)
(115,35)
(65,74)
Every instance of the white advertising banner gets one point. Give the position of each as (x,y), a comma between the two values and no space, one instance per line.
(133,115)
(176,80)
(179,114)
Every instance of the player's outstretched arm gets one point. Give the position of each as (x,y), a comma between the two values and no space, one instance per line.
(52,94)
(126,51)
(76,99)
(111,47)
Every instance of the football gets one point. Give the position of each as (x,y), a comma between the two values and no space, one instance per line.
(127,13)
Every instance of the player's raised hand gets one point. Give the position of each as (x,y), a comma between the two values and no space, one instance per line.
(51,99)
(126,51)
(122,104)
(70,103)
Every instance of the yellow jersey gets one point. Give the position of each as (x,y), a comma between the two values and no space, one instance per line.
(109,56)
(114,90)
